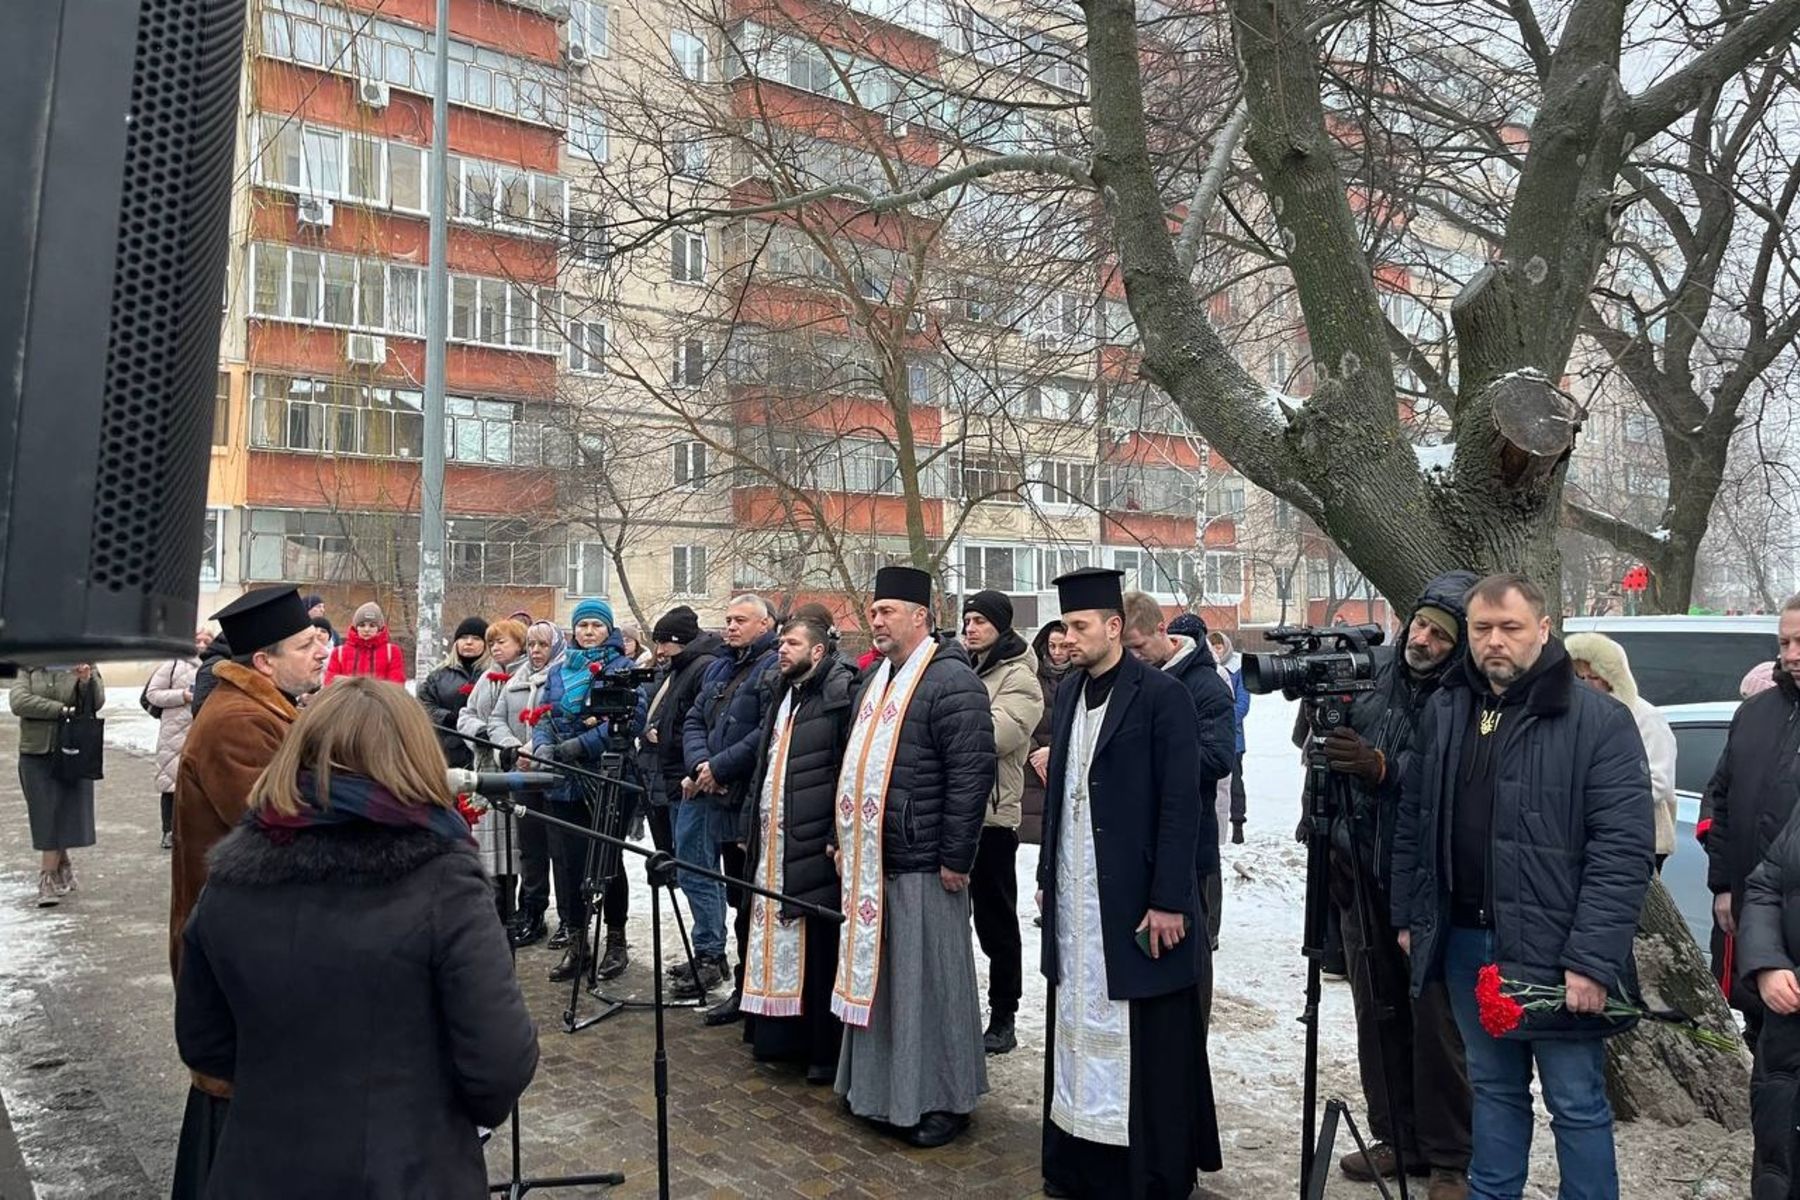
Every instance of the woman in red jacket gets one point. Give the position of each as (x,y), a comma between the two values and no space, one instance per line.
(367,650)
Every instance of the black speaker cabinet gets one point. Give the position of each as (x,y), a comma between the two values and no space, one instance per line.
(117,125)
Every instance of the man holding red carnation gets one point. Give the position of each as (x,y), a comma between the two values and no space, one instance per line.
(1525,844)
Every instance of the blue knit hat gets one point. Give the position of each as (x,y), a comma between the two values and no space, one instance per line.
(593,609)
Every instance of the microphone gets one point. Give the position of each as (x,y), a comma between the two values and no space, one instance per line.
(501,783)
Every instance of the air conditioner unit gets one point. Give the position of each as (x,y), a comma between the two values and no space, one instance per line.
(374,93)
(576,55)
(365,348)
(315,210)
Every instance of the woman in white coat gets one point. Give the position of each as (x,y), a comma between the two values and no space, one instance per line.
(1603,664)
(171,689)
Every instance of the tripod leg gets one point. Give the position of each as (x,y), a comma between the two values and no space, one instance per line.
(1386,1009)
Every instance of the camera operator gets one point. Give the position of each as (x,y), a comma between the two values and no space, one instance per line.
(720,736)
(1417,1041)
(568,734)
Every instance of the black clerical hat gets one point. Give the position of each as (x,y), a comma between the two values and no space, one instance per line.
(903,583)
(1091,587)
(262,618)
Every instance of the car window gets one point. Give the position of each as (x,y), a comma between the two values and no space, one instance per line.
(1697,751)
(1691,668)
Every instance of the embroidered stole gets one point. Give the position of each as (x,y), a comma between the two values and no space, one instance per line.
(775,966)
(861,808)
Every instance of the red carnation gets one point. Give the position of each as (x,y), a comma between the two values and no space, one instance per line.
(468,811)
(1500,1013)
(466,688)
(594,669)
(532,716)
(498,676)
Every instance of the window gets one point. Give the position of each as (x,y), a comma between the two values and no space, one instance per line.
(1059,482)
(690,464)
(588,238)
(479,431)
(587,133)
(337,289)
(587,569)
(587,26)
(1640,428)
(1224,576)
(1284,515)
(1130,562)
(212,544)
(688,262)
(1001,568)
(365,170)
(1690,666)
(1225,497)
(1318,579)
(406,176)
(587,347)
(1698,749)
(497,551)
(688,570)
(1646,482)
(991,476)
(690,363)
(1060,561)
(687,156)
(322,150)
(689,53)
(221,430)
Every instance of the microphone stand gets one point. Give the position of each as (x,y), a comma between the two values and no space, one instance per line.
(660,867)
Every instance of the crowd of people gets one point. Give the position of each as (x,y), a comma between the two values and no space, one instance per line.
(1507,798)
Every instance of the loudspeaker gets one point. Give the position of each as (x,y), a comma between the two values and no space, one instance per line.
(117,129)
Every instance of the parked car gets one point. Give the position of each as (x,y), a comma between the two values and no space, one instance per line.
(1700,731)
(1687,660)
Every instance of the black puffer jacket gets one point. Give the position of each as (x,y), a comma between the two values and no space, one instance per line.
(1031,803)
(1216,707)
(1769,940)
(1754,787)
(354,987)
(943,769)
(1572,841)
(218,652)
(1388,719)
(823,714)
(663,759)
(444,694)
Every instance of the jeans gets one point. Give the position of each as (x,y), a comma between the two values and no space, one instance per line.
(698,828)
(1573,1074)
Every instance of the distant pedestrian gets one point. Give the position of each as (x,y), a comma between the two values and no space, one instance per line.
(61,809)
(344,973)
(1227,656)
(368,650)
(217,651)
(315,610)
(170,693)
(498,831)
(1603,664)
(447,689)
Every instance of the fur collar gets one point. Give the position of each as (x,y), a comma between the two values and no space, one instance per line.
(353,855)
(258,687)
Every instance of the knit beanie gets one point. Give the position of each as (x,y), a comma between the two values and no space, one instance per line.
(1445,620)
(471,627)
(995,606)
(1189,625)
(680,625)
(592,609)
(369,612)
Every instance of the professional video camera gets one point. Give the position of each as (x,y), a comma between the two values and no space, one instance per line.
(1323,665)
(615,696)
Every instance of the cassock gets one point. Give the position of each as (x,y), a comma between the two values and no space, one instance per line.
(1128,1095)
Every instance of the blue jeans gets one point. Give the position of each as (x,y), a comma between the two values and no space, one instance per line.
(1573,1073)
(699,830)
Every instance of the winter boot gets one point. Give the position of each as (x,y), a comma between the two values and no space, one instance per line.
(617,956)
(574,959)
(1000,1037)
(710,970)
(559,939)
(1447,1184)
(527,929)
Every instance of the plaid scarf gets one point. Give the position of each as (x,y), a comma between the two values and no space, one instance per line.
(352,798)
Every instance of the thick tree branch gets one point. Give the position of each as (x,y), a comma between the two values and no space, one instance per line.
(1628,538)
(1212,181)
(1662,105)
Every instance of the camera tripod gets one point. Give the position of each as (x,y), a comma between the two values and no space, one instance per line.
(1328,800)
(660,868)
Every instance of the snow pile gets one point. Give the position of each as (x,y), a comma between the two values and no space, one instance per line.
(1440,457)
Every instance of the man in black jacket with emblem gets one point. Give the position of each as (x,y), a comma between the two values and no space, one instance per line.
(787,819)
(1129,1110)
(1526,840)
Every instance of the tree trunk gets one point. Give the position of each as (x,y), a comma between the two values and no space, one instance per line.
(1656,1070)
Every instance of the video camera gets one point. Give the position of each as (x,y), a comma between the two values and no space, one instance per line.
(1323,665)
(614,697)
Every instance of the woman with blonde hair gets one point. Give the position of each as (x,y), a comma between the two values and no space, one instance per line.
(343,969)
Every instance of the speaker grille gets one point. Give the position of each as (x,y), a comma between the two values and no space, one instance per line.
(162,356)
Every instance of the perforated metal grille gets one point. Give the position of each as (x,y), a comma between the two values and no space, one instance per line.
(162,356)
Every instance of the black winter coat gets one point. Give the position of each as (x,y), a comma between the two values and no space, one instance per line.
(823,714)
(664,759)
(444,694)
(356,990)
(1216,707)
(1031,803)
(218,652)
(943,770)
(1769,939)
(725,722)
(1573,836)
(1145,774)
(1754,787)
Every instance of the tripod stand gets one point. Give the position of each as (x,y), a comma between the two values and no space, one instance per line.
(1328,799)
(660,868)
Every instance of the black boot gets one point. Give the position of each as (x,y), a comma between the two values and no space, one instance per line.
(1000,1037)
(527,929)
(574,959)
(617,956)
(560,938)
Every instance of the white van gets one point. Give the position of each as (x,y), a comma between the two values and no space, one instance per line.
(1687,660)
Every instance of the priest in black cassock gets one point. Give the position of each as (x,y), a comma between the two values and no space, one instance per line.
(1129,1103)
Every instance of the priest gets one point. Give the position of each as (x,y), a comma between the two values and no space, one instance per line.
(917,773)
(1129,1109)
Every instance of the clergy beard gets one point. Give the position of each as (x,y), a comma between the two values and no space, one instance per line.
(800,672)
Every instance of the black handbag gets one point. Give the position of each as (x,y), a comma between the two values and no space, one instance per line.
(80,749)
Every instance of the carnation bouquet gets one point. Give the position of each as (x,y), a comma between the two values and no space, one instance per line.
(1503,1004)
